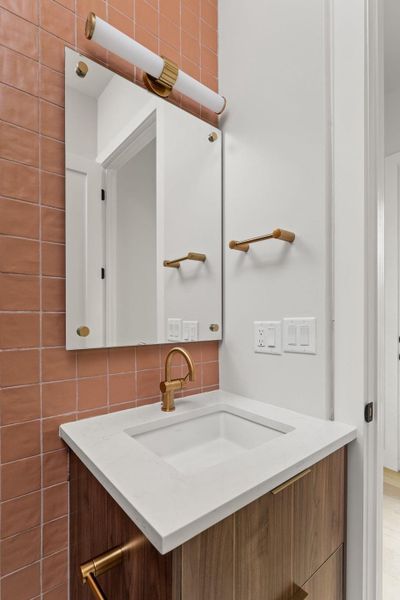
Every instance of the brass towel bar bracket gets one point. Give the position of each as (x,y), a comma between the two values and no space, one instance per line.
(277,234)
(94,567)
(91,569)
(176,263)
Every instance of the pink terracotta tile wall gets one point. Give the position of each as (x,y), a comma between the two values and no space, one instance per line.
(42,385)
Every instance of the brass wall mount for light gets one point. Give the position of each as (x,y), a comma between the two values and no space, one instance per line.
(163,85)
(277,234)
(176,262)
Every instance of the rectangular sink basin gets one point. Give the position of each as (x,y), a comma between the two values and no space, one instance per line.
(191,443)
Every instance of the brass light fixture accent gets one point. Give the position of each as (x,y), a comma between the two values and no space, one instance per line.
(170,386)
(91,569)
(83,331)
(81,69)
(163,85)
(90,25)
(176,263)
(277,234)
(287,484)
(213,136)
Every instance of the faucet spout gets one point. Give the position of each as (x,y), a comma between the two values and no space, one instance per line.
(170,386)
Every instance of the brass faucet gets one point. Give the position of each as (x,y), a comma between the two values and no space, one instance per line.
(169,386)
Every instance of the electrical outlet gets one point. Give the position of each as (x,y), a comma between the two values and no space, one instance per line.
(267,337)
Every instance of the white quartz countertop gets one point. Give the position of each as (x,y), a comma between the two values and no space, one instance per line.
(170,506)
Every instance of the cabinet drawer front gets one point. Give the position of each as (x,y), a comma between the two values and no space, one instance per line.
(327,582)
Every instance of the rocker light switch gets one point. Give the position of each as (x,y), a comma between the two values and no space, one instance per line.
(299,335)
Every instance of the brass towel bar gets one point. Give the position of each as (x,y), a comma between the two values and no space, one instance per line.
(176,263)
(277,234)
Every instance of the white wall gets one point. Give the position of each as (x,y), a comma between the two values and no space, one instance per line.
(273,72)
(276,62)
(392,122)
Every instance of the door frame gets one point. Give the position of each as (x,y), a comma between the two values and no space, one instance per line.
(358,289)
(391,405)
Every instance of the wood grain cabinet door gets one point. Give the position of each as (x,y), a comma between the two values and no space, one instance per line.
(318,516)
(327,582)
(263,557)
(207,563)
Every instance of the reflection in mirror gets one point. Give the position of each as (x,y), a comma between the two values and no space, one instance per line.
(143,215)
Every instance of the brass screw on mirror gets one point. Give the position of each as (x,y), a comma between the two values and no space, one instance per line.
(83,331)
(213,136)
(81,69)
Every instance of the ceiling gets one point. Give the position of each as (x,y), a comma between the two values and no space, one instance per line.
(392,45)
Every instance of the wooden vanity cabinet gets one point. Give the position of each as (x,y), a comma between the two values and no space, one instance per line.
(287,545)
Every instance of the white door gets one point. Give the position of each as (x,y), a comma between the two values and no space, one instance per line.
(392,297)
(85,252)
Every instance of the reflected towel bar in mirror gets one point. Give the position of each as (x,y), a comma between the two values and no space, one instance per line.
(176,263)
(277,234)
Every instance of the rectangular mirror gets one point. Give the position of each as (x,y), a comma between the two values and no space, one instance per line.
(143,215)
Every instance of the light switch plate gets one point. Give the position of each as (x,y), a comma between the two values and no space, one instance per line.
(267,337)
(300,335)
(190,331)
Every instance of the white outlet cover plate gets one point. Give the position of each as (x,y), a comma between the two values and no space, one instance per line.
(268,337)
(305,328)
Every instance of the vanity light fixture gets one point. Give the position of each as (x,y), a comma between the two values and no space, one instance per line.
(161,75)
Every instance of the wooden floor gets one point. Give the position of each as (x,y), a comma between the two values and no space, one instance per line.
(391,536)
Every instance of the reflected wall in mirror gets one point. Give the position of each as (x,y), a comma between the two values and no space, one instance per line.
(143,189)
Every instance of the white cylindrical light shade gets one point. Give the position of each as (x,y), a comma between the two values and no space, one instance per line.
(121,44)
(199,92)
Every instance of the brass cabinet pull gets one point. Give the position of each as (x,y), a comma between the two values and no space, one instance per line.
(176,263)
(98,565)
(290,482)
(300,594)
(277,234)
